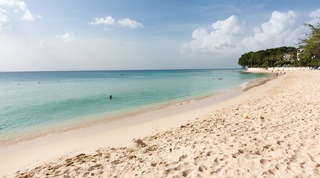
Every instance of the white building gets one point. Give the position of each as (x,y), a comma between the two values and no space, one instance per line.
(299,51)
(287,57)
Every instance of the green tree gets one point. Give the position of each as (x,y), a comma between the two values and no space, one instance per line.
(310,47)
(268,58)
(246,59)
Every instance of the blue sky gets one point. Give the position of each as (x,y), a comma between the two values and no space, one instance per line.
(145,34)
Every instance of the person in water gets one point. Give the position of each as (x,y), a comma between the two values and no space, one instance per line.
(110,97)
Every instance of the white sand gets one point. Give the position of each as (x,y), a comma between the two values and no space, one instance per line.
(280,139)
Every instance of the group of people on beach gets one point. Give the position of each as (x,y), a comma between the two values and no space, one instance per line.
(279,73)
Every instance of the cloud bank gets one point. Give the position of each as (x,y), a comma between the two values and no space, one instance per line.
(224,34)
(110,21)
(233,36)
(281,29)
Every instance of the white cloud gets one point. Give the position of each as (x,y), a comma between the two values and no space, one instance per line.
(3,17)
(126,22)
(66,37)
(315,15)
(224,34)
(18,6)
(280,30)
(27,14)
(233,36)
(103,21)
(109,21)
(279,22)
(8,2)
(232,26)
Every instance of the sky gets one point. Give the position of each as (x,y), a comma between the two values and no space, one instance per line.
(59,35)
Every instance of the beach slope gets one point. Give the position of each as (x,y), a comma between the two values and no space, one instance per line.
(269,130)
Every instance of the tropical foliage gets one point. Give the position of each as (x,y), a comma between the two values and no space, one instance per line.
(283,56)
(309,48)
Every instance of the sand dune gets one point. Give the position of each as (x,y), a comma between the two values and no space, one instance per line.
(280,138)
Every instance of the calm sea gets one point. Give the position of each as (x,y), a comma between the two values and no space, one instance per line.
(34,101)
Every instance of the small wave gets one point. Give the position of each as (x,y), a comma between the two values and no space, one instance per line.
(245,84)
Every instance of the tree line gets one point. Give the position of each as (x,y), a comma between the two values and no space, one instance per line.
(307,54)
(269,58)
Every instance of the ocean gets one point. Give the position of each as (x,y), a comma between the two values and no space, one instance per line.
(33,102)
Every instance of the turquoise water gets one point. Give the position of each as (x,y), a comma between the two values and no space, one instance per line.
(31,101)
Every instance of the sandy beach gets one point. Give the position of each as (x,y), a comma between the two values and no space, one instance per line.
(271,130)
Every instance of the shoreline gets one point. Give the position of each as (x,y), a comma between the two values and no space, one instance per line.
(93,121)
(258,82)
(275,69)
(85,139)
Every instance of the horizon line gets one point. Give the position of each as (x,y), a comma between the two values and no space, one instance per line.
(102,70)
